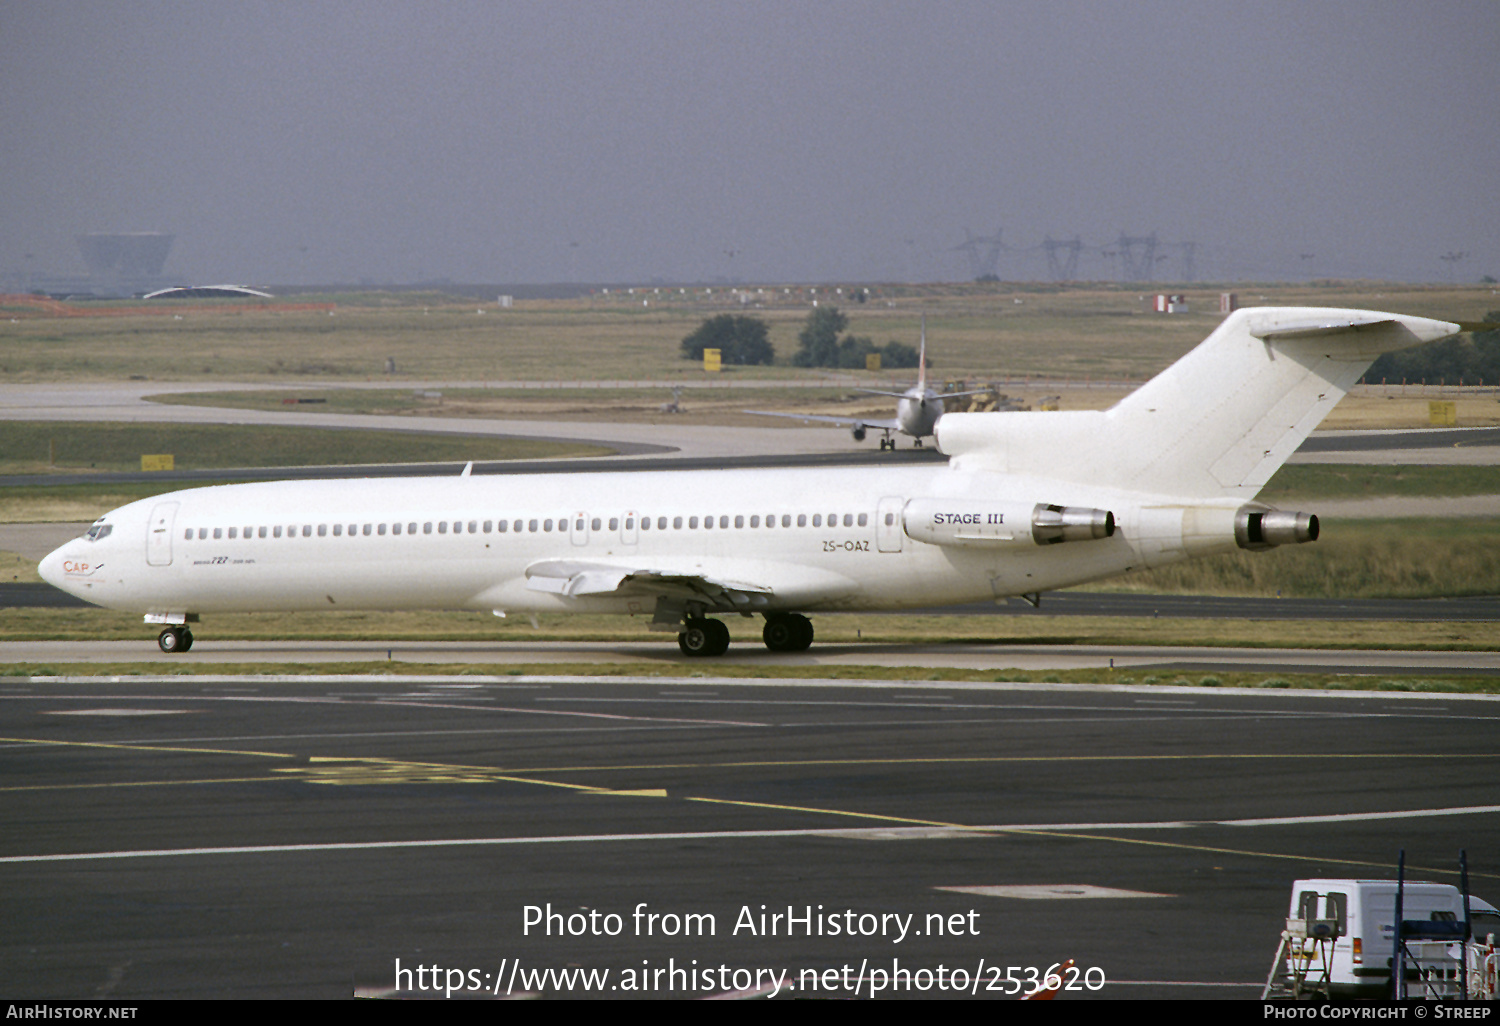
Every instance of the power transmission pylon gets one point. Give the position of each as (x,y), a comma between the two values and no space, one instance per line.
(1139,254)
(984,252)
(1066,268)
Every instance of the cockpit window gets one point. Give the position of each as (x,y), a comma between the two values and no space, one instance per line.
(99,531)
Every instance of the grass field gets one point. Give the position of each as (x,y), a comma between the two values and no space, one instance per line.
(832,628)
(973,329)
(57,446)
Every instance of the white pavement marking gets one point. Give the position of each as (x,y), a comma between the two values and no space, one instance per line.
(884,832)
(1051,892)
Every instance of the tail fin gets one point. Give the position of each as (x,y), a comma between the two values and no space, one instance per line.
(922,358)
(1216,424)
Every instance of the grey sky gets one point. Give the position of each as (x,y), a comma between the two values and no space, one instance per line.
(316,142)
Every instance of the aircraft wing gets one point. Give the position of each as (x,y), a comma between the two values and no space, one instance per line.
(908,395)
(878,423)
(734,584)
(576,579)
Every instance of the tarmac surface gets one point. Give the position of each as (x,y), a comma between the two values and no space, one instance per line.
(321,837)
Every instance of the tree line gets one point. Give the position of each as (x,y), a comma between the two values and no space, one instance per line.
(1471,359)
(743,340)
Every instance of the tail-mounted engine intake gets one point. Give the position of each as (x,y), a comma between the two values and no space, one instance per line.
(989,524)
(1256,527)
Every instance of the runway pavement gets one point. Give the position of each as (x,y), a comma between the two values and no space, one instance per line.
(264,837)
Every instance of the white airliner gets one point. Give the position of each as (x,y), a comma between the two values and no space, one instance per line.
(917,408)
(1028,502)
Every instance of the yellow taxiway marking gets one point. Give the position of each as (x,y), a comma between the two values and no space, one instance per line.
(142,748)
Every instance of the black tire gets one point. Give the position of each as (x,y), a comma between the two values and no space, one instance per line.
(703,638)
(788,632)
(719,635)
(804,629)
(170,641)
(778,633)
(694,639)
(187,640)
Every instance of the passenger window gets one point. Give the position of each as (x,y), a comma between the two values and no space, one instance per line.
(218,533)
(890,520)
(578,525)
(442,527)
(395,528)
(202,533)
(801,520)
(502,526)
(692,523)
(848,520)
(189,535)
(676,523)
(833,520)
(531,525)
(614,523)
(307,530)
(786,520)
(322,530)
(594,525)
(754,521)
(380,529)
(338,530)
(261,532)
(232,532)
(277,532)
(487,526)
(427,527)
(724,522)
(546,525)
(661,523)
(367,530)
(411,528)
(864,520)
(708,523)
(817,519)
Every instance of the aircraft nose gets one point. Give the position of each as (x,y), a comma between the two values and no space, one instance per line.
(50,568)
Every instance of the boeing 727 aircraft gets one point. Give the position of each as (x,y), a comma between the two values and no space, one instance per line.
(1027,502)
(917,408)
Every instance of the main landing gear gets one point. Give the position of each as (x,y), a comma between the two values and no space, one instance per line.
(784,632)
(175,639)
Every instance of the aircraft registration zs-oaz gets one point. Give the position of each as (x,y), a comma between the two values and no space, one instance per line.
(1027,502)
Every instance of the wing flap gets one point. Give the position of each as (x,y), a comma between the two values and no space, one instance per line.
(574,579)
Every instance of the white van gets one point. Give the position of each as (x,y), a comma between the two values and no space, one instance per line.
(1365,914)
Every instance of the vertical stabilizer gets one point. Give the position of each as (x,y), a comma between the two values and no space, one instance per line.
(922,359)
(1217,423)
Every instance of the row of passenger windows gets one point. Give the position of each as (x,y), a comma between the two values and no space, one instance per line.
(528,526)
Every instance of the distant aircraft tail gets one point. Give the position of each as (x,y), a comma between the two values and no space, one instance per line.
(922,358)
(1214,425)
